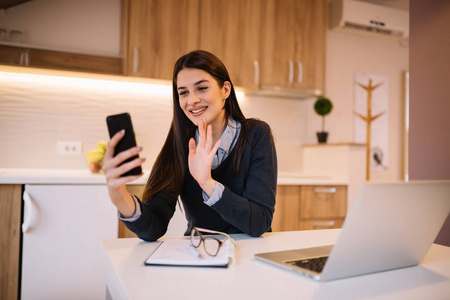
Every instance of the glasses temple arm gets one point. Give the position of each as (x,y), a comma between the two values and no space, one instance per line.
(213,231)
(234,243)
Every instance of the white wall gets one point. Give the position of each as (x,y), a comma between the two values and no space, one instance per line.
(38,111)
(345,55)
(34,116)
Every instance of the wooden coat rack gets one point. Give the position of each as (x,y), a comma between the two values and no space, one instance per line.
(368,119)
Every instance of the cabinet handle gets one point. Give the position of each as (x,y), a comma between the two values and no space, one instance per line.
(300,72)
(325,190)
(323,223)
(21,58)
(291,72)
(256,72)
(30,212)
(24,58)
(135,59)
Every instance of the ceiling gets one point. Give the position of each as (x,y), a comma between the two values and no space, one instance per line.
(4,4)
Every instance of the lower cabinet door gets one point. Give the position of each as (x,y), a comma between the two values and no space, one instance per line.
(62,232)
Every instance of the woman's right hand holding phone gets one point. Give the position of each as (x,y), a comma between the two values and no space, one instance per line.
(113,169)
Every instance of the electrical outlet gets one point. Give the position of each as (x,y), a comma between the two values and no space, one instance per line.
(68,148)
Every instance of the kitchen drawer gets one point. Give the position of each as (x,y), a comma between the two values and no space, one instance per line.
(321,224)
(323,202)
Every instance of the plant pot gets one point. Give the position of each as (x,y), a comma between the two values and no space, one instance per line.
(322,137)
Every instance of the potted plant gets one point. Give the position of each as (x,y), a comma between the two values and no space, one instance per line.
(323,107)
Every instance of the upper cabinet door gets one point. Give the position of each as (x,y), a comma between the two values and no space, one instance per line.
(231,30)
(270,42)
(293,43)
(310,48)
(158,32)
(278,40)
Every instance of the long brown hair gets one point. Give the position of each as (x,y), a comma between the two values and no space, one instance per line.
(171,165)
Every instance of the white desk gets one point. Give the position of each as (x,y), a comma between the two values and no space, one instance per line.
(128,278)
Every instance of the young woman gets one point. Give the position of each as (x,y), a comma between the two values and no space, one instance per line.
(221,165)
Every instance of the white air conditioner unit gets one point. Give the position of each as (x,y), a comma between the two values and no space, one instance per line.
(368,19)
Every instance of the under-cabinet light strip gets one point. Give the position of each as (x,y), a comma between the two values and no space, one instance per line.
(98,83)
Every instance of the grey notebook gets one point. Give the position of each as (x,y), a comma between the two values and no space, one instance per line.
(389,226)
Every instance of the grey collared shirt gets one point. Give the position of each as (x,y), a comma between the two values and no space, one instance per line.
(228,140)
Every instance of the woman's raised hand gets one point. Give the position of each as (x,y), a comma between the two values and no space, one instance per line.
(201,157)
(112,169)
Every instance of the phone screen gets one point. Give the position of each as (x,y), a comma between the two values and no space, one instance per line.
(115,124)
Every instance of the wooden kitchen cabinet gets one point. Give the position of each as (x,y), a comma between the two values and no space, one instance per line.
(322,207)
(156,33)
(309,207)
(262,42)
(10,214)
(293,43)
(267,42)
(231,30)
(59,60)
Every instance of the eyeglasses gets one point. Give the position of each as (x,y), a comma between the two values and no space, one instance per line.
(210,244)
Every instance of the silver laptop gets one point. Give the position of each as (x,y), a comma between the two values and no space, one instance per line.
(389,226)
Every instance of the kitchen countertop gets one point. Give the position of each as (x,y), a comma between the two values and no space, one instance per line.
(84,176)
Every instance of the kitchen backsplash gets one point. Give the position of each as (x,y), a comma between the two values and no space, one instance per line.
(38,111)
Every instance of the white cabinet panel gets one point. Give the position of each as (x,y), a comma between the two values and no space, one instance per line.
(61,252)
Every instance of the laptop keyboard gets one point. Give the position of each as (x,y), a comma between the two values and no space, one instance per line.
(313,264)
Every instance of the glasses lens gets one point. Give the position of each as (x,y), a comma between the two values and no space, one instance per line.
(212,245)
(196,238)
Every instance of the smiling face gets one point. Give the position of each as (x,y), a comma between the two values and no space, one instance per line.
(201,97)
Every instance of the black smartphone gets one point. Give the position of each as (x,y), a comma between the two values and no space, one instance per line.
(115,124)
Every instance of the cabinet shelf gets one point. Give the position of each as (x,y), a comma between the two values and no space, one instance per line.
(15,55)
